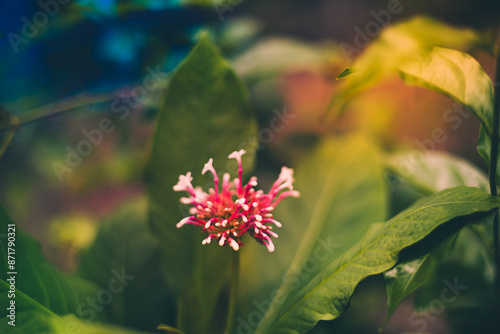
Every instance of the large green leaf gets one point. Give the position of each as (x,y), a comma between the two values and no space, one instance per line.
(463,254)
(206,115)
(409,275)
(455,74)
(39,286)
(327,295)
(47,300)
(344,195)
(38,322)
(395,44)
(343,192)
(471,260)
(458,75)
(124,242)
(433,171)
(428,172)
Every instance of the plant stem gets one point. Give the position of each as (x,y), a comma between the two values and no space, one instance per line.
(235,276)
(71,103)
(493,174)
(74,102)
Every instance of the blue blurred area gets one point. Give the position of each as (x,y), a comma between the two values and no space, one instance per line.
(106,7)
(51,49)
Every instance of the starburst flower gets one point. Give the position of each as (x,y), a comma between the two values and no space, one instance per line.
(229,213)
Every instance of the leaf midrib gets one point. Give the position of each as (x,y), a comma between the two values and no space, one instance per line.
(322,207)
(29,299)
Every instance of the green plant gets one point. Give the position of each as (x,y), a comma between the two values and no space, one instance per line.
(135,279)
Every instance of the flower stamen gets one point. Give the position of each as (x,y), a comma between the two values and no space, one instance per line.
(238,209)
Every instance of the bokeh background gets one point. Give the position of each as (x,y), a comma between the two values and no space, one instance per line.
(62,76)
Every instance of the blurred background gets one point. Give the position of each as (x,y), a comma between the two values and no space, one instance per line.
(67,64)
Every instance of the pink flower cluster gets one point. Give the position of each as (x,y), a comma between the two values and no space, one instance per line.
(229,213)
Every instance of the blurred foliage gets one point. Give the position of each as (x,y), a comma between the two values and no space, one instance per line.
(394,46)
(47,291)
(460,77)
(430,171)
(89,63)
(74,232)
(124,242)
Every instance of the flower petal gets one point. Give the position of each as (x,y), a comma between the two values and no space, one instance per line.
(234,244)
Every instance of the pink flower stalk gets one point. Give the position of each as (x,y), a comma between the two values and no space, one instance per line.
(229,213)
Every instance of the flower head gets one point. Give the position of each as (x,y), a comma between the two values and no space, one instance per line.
(229,213)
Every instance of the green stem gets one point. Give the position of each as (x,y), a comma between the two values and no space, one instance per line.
(493,174)
(74,102)
(71,103)
(496,249)
(235,276)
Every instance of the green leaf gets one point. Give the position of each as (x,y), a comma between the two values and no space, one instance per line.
(206,115)
(327,295)
(39,286)
(455,74)
(343,192)
(409,275)
(428,172)
(124,242)
(346,72)
(37,322)
(341,199)
(395,44)
(45,298)
(433,171)
(471,262)
(169,329)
